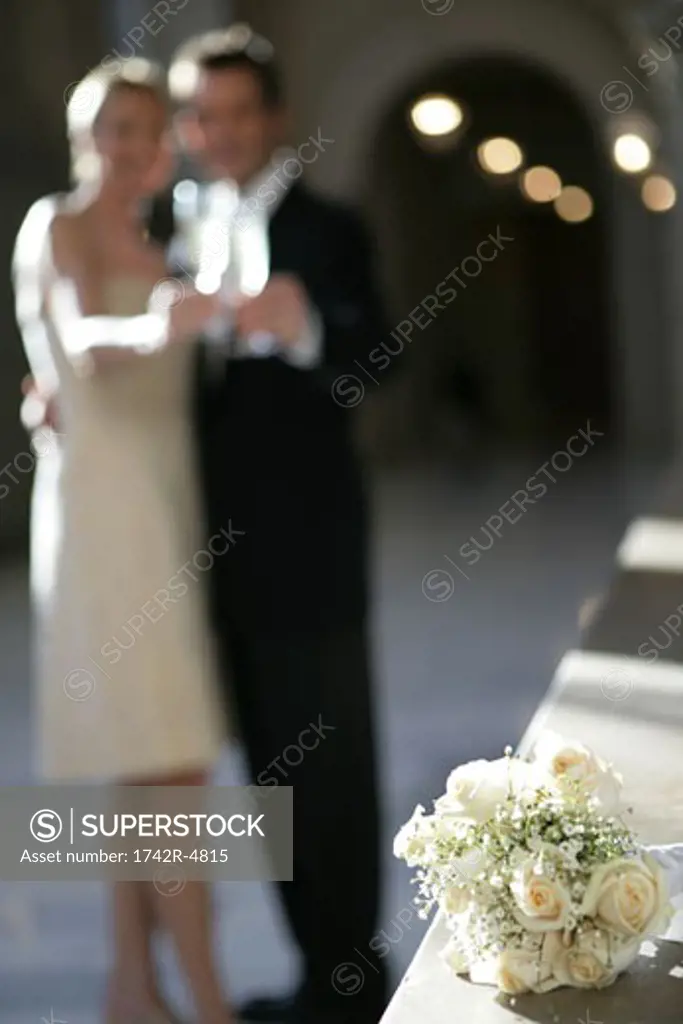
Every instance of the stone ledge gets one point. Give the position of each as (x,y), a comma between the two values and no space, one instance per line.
(636,721)
(647,994)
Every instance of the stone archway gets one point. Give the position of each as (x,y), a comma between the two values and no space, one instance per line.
(586,53)
(526,350)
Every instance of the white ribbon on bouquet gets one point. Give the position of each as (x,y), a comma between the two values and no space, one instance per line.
(670,858)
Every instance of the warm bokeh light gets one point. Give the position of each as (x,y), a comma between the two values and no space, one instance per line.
(500,156)
(659,194)
(574,204)
(632,153)
(436,115)
(541,184)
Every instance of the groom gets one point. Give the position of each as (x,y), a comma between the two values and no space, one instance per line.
(290,605)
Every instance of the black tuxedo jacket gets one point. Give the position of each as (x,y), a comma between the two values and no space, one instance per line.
(275,448)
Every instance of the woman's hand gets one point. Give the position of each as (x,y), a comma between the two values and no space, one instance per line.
(38,410)
(282,309)
(190,316)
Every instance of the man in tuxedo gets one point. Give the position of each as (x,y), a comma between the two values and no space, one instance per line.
(290,605)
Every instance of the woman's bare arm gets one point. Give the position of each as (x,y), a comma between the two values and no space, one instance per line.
(74,298)
(69,289)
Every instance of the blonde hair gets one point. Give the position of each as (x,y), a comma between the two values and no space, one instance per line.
(87,100)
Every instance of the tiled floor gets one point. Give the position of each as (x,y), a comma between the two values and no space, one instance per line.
(461,671)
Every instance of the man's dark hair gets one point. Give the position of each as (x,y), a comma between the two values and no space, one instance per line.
(237,48)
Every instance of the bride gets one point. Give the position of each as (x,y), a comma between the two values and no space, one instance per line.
(125,680)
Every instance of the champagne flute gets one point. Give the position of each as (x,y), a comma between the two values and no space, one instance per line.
(251,246)
(216,272)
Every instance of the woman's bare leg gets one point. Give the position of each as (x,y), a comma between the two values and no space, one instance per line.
(187,917)
(133,994)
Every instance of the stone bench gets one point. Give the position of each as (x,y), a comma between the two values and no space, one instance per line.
(628,705)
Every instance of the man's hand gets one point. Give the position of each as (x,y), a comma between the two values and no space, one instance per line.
(281,309)
(38,410)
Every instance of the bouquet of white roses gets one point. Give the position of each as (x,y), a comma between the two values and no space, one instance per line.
(540,882)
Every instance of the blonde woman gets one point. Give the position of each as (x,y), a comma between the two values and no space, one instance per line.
(114,510)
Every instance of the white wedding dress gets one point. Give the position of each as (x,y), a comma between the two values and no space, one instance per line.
(126,682)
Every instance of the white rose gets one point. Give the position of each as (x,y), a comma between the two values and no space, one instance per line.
(591,959)
(413,838)
(454,958)
(571,765)
(543,902)
(475,790)
(520,971)
(455,899)
(447,827)
(484,972)
(471,865)
(630,896)
(515,971)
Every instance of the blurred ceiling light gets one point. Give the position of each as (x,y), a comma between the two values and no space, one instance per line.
(541,184)
(574,205)
(500,156)
(436,115)
(659,194)
(632,153)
